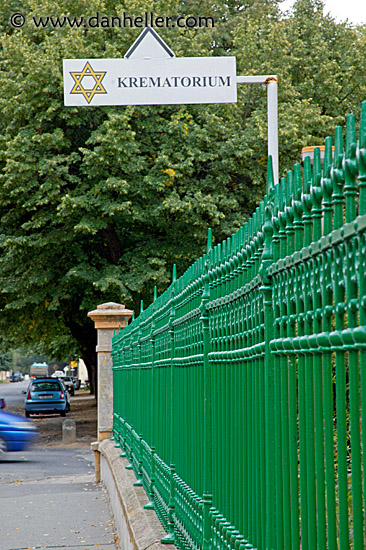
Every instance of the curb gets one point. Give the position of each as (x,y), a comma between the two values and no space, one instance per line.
(137,529)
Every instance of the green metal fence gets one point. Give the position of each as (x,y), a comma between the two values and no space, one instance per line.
(240,393)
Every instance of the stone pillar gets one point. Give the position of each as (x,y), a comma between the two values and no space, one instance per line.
(107,318)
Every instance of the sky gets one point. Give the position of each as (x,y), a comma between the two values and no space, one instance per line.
(353,10)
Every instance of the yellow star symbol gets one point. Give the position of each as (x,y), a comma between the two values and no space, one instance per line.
(88,92)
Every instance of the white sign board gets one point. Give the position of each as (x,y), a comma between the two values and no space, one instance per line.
(91,82)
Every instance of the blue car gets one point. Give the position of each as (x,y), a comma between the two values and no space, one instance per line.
(45,396)
(16,433)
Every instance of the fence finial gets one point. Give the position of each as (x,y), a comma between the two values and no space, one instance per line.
(361,159)
(327,157)
(209,240)
(363,126)
(141,306)
(350,136)
(338,153)
(270,180)
(155,293)
(317,167)
(174,276)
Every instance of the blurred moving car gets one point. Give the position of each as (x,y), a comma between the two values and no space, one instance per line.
(46,395)
(16,433)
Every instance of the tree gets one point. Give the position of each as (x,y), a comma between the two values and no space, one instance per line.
(98,203)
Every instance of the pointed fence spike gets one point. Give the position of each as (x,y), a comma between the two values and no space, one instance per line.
(155,293)
(277,198)
(141,306)
(209,240)
(307,175)
(338,153)
(297,181)
(270,180)
(317,166)
(282,193)
(363,126)
(228,250)
(262,207)
(350,136)
(289,187)
(246,232)
(174,276)
(328,154)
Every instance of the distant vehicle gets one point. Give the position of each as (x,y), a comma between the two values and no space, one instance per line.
(39,370)
(16,433)
(76,382)
(67,381)
(69,384)
(16,377)
(58,374)
(46,395)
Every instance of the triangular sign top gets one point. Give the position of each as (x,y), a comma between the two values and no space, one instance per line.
(149,45)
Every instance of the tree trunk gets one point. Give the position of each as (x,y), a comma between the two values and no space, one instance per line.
(86,336)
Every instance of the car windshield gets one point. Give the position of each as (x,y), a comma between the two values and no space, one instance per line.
(46,386)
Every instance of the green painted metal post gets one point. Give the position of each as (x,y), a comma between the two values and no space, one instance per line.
(271,518)
(169,538)
(207,411)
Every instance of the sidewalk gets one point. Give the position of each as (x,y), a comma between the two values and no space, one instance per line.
(66,510)
(48,495)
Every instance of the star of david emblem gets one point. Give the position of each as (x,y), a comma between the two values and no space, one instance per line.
(88,82)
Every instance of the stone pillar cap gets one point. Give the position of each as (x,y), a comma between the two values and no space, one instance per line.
(110,315)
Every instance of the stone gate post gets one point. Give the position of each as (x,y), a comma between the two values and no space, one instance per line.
(107,318)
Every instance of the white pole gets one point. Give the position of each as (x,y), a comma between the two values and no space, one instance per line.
(272,114)
(272,117)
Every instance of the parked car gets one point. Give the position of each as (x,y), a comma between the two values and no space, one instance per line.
(69,384)
(46,395)
(16,377)
(76,382)
(16,433)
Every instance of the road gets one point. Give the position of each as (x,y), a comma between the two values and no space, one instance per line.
(49,497)
(12,392)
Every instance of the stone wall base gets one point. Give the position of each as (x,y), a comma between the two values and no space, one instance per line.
(137,529)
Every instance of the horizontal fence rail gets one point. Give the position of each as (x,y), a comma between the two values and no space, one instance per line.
(240,393)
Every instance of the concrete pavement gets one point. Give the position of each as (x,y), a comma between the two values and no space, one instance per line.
(49,499)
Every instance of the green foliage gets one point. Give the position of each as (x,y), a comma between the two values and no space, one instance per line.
(97,204)
(21,360)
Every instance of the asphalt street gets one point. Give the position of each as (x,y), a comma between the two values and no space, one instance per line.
(49,499)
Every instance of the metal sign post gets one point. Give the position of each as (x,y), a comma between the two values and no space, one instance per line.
(272,114)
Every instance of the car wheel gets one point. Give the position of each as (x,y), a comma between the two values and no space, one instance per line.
(3,447)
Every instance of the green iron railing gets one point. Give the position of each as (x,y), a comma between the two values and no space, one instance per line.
(240,393)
